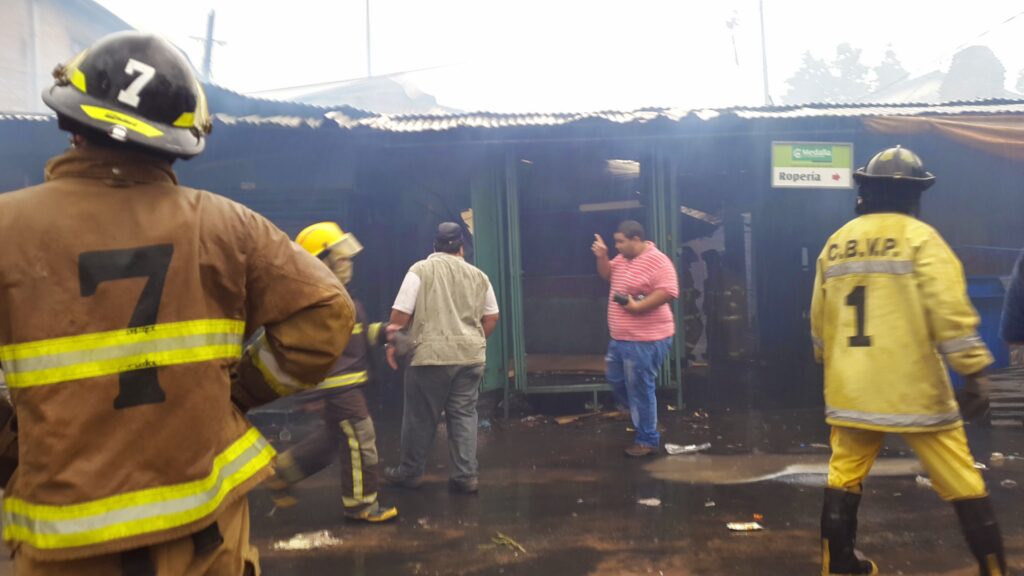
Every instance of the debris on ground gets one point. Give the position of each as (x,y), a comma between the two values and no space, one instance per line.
(980,466)
(653,502)
(309,541)
(675,449)
(672,408)
(503,540)
(819,445)
(744,526)
(563,420)
(923,482)
(532,421)
(710,504)
(758,517)
(485,425)
(997,459)
(579,500)
(1008,483)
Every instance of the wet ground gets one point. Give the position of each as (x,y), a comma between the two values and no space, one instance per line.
(563,500)
(571,500)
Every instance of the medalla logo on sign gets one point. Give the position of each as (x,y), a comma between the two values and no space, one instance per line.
(812,153)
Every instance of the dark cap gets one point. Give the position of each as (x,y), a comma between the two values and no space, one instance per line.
(448,237)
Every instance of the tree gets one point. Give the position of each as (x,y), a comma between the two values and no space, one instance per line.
(889,71)
(975,73)
(809,82)
(843,79)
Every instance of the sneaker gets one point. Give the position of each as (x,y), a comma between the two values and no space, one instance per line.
(470,486)
(640,450)
(393,477)
(373,514)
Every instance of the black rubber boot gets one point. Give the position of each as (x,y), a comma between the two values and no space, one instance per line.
(839,534)
(981,530)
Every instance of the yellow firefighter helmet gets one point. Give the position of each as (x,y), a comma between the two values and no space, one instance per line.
(323,237)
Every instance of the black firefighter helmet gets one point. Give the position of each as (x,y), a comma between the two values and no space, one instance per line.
(895,168)
(135,88)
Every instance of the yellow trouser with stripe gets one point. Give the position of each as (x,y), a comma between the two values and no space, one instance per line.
(347,432)
(944,454)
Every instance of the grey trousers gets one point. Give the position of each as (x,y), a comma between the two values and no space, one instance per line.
(429,390)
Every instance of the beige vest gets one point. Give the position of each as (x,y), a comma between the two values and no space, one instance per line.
(446,326)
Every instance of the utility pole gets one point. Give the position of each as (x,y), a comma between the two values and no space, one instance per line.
(369,67)
(208,42)
(764,58)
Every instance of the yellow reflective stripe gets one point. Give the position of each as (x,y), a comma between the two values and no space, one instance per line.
(357,460)
(186,120)
(115,117)
(373,335)
(140,512)
(357,329)
(69,358)
(78,80)
(367,499)
(345,380)
(282,383)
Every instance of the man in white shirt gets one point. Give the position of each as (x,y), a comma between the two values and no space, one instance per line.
(448,308)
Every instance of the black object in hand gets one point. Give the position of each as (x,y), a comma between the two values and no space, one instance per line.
(620,299)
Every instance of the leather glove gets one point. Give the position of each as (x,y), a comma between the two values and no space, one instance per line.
(973,399)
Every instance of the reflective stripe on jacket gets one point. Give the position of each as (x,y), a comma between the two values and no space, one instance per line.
(124,301)
(890,302)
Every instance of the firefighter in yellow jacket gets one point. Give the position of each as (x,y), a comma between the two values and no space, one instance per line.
(346,418)
(125,299)
(890,302)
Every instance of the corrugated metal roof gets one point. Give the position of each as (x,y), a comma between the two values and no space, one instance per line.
(490,120)
(444,122)
(28,117)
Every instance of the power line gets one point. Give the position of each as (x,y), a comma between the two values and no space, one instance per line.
(938,60)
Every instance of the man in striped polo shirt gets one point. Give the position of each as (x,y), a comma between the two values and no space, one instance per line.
(643,283)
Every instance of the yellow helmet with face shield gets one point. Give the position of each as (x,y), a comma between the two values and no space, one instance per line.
(318,238)
(335,247)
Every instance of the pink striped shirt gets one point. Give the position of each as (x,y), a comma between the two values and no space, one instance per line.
(644,274)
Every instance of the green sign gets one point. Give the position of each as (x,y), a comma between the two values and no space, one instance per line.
(812,165)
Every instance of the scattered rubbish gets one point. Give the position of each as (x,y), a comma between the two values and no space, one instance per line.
(923,482)
(897,494)
(710,504)
(759,517)
(485,425)
(744,526)
(532,421)
(309,541)
(579,500)
(653,502)
(688,449)
(980,466)
(819,445)
(672,408)
(563,420)
(997,459)
(422,521)
(1008,483)
(503,540)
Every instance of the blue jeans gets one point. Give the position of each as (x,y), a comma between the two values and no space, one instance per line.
(632,370)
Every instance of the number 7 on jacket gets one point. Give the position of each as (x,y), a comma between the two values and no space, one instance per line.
(138,387)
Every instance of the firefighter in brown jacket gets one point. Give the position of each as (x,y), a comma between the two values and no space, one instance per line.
(124,302)
(346,418)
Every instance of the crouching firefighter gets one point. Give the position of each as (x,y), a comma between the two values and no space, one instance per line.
(889,299)
(346,418)
(121,339)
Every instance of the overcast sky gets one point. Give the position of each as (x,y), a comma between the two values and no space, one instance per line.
(569,55)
